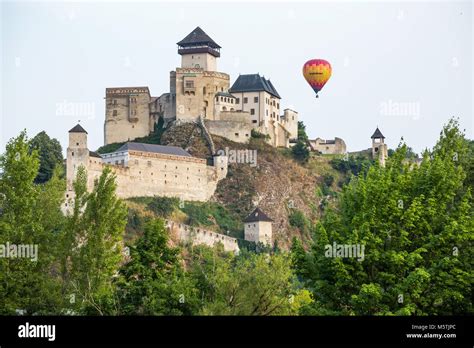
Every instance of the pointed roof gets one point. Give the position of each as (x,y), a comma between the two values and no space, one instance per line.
(198,37)
(253,83)
(377,134)
(77,129)
(257,215)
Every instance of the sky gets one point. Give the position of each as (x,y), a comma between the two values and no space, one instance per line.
(406,67)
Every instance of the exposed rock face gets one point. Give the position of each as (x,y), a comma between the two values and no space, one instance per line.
(277,184)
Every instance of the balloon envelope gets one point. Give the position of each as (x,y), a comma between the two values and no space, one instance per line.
(317,72)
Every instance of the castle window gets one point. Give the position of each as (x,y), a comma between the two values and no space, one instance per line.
(278,105)
(236,134)
(189,84)
(254,121)
(165,182)
(255,99)
(266,112)
(114,113)
(237,101)
(204,90)
(72,154)
(252,111)
(253,225)
(115,101)
(246,100)
(246,136)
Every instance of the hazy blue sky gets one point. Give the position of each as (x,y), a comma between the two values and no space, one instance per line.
(386,56)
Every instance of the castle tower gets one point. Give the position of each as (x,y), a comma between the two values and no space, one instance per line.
(77,153)
(194,86)
(258,228)
(379,148)
(198,50)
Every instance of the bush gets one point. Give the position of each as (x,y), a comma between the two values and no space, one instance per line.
(297,219)
(163,206)
(257,135)
(300,151)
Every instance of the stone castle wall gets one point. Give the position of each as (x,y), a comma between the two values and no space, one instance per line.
(233,125)
(197,235)
(195,91)
(151,174)
(127,114)
(334,147)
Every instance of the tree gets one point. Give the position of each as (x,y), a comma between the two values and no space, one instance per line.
(416,226)
(153,282)
(300,151)
(93,244)
(302,132)
(250,284)
(26,214)
(50,155)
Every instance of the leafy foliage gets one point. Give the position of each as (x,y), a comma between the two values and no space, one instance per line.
(153,282)
(50,155)
(416,225)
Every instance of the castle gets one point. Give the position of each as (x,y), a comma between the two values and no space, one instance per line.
(198,90)
(145,169)
(328,147)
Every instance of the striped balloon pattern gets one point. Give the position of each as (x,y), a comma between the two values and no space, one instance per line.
(317,72)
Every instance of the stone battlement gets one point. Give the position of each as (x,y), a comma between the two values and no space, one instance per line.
(197,235)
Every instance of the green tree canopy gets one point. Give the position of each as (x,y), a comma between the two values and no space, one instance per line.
(50,155)
(416,225)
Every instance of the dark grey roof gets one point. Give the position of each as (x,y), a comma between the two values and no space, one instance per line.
(224,94)
(253,83)
(167,150)
(198,37)
(94,154)
(257,215)
(377,134)
(77,129)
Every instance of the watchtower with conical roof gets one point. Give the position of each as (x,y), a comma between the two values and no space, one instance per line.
(258,227)
(379,148)
(77,153)
(198,50)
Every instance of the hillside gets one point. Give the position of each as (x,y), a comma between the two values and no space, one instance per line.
(285,189)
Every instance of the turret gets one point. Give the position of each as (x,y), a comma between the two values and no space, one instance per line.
(77,153)
(379,148)
(258,227)
(198,50)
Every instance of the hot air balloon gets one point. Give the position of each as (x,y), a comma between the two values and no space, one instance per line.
(317,72)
